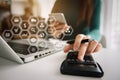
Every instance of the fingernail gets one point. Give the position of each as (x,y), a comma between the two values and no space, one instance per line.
(75,48)
(80,58)
(65,51)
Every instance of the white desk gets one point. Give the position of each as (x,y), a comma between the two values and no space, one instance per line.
(48,68)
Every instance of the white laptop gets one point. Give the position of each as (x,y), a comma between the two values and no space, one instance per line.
(18,50)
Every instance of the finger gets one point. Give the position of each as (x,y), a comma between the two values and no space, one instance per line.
(87,37)
(82,51)
(98,47)
(66,27)
(67,48)
(56,23)
(58,34)
(59,24)
(62,29)
(78,40)
(59,31)
(59,27)
(92,45)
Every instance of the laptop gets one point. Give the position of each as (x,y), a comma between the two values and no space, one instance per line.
(22,52)
(34,40)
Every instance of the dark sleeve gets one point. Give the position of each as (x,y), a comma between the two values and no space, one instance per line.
(95,22)
(56,6)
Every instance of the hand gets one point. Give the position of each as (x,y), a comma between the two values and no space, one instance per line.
(84,48)
(60,28)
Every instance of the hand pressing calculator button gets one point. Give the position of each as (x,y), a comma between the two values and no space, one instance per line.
(72,59)
(72,66)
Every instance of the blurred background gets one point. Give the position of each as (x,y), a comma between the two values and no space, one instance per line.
(110,16)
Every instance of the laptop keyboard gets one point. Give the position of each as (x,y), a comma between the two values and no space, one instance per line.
(24,48)
(27,54)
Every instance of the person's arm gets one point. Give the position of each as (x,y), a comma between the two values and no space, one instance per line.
(95,22)
(57,6)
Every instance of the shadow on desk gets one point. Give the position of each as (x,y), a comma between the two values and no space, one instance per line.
(5,63)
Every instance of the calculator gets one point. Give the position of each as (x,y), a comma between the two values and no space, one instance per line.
(89,67)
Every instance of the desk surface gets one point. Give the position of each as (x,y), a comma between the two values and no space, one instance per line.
(48,68)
